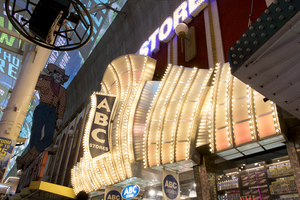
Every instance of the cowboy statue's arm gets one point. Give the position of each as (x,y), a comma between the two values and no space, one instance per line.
(61,107)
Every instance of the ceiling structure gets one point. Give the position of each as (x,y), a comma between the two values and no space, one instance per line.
(266,57)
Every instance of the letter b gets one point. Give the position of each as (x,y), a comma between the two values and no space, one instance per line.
(101,119)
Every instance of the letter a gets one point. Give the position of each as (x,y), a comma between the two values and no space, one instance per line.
(104,104)
(167,184)
(101,119)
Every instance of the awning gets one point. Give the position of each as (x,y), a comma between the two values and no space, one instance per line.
(45,191)
(266,57)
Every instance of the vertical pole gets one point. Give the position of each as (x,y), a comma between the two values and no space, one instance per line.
(34,59)
(205,179)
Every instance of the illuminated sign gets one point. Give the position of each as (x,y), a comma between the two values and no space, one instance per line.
(113,195)
(170,186)
(130,191)
(165,32)
(98,139)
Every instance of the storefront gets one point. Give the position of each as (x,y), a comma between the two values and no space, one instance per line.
(191,119)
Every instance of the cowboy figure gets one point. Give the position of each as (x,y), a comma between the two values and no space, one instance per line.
(50,110)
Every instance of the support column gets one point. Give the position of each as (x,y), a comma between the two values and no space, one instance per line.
(294,159)
(34,60)
(205,179)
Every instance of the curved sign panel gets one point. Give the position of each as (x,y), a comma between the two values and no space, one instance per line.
(130,191)
(99,132)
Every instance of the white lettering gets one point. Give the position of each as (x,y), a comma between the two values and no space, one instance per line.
(104,104)
(101,119)
(166,31)
(154,42)
(144,49)
(195,6)
(95,135)
(181,14)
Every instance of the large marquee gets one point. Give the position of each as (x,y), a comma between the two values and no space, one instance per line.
(161,123)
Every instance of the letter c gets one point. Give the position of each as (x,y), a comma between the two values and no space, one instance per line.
(95,136)
(174,185)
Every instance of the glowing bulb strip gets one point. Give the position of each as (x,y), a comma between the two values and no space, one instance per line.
(275,117)
(250,106)
(163,112)
(88,127)
(104,171)
(179,110)
(76,179)
(150,114)
(141,80)
(118,154)
(104,89)
(95,176)
(131,88)
(73,180)
(212,105)
(90,174)
(228,106)
(98,173)
(111,169)
(85,178)
(195,110)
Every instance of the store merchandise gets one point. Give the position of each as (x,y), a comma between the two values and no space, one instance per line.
(230,195)
(282,169)
(253,178)
(283,186)
(248,197)
(228,184)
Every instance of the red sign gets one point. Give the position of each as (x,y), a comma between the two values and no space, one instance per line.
(34,172)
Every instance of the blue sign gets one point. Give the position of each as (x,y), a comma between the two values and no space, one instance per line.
(130,191)
(113,195)
(171,187)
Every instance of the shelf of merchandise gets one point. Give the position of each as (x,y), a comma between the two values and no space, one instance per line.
(263,167)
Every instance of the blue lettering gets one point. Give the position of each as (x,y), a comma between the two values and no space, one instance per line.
(11,71)
(2,65)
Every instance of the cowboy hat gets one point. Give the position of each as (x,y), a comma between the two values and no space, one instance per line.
(52,68)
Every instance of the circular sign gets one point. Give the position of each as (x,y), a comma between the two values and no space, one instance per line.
(171,187)
(130,191)
(113,195)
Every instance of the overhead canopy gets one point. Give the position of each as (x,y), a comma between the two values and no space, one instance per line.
(46,191)
(267,55)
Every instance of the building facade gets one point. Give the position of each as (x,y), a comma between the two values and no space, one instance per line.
(176,107)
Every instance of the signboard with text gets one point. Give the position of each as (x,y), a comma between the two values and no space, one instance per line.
(112,193)
(99,132)
(130,191)
(6,149)
(170,185)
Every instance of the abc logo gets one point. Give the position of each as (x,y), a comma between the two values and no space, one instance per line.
(171,187)
(113,195)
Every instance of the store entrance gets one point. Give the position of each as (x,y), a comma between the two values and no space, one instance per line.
(267,176)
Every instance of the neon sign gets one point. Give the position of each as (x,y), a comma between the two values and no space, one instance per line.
(165,32)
